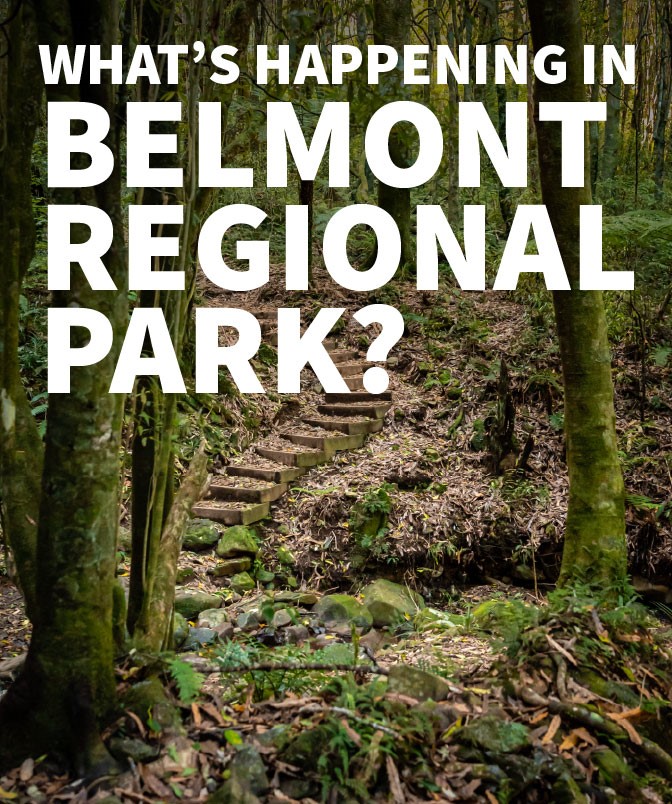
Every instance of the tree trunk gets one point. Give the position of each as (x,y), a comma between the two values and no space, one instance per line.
(21,450)
(67,687)
(392,26)
(612,129)
(595,550)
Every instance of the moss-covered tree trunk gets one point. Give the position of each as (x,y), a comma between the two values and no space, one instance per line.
(67,688)
(595,549)
(21,451)
(612,129)
(392,26)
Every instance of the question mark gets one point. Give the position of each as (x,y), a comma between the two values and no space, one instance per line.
(391,321)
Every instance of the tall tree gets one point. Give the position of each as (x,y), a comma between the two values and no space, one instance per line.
(612,129)
(66,688)
(595,549)
(392,26)
(21,450)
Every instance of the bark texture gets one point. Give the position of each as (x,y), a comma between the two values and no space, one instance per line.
(67,689)
(595,549)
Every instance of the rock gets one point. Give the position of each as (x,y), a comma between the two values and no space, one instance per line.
(232,566)
(286,557)
(130,748)
(191,604)
(248,621)
(292,582)
(233,792)
(248,766)
(297,598)
(491,733)
(276,737)
(338,609)
(201,534)
(149,700)
(184,574)
(264,576)
(212,618)
(408,680)
(390,603)
(281,618)
(373,641)
(295,634)
(243,582)
(180,629)
(198,638)
(237,541)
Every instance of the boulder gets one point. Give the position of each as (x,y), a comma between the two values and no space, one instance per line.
(199,638)
(491,733)
(419,684)
(201,534)
(191,604)
(248,621)
(212,618)
(281,618)
(237,541)
(131,748)
(232,566)
(343,609)
(295,634)
(391,603)
(242,582)
(149,701)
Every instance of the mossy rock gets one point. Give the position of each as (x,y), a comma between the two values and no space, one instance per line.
(391,603)
(242,582)
(180,629)
(151,703)
(286,557)
(338,609)
(201,534)
(237,541)
(232,566)
(212,618)
(306,748)
(491,733)
(191,604)
(185,574)
(416,683)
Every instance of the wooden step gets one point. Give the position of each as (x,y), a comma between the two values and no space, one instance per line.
(224,489)
(286,475)
(350,426)
(370,411)
(234,515)
(359,396)
(289,458)
(329,444)
(262,314)
(355,383)
(343,356)
(352,369)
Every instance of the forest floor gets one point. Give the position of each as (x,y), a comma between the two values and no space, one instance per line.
(536,701)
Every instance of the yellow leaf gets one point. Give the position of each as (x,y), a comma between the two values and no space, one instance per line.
(7,795)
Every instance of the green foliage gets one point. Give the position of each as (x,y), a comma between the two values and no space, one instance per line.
(189,682)
(369,521)
(354,748)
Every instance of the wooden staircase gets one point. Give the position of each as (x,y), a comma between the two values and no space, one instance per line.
(343,421)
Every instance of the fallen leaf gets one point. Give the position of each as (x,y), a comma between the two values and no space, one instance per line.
(552,730)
